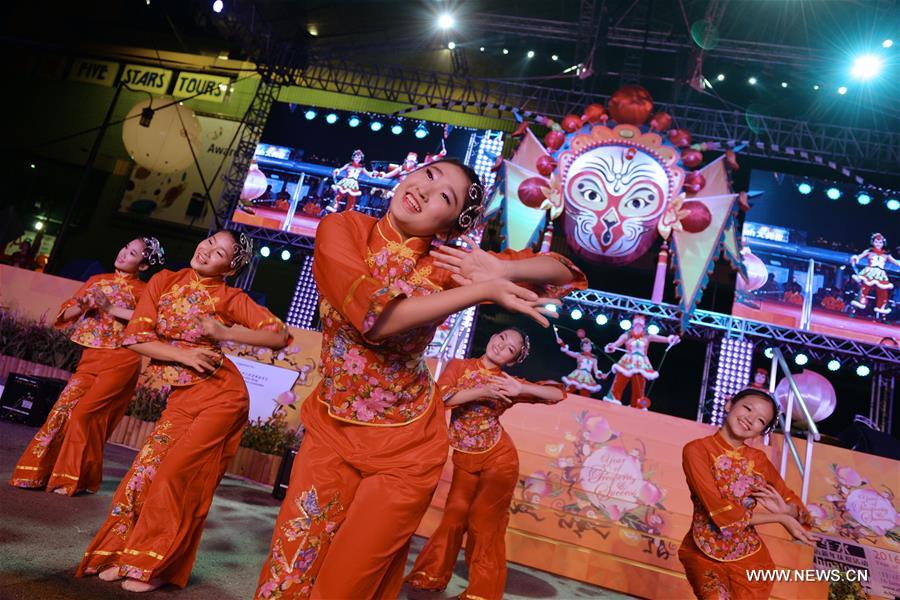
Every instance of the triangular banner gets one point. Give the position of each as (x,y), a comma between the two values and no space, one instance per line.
(528,152)
(521,223)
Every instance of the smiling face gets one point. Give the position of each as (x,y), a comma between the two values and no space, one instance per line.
(213,256)
(748,417)
(614,198)
(430,199)
(504,347)
(130,258)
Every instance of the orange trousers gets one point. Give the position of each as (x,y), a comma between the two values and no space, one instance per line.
(356,496)
(67,451)
(478,502)
(714,580)
(158,511)
(637,387)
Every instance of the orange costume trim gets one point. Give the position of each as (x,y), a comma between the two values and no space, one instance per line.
(375,442)
(485,473)
(158,510)
(722,544)
(67,452)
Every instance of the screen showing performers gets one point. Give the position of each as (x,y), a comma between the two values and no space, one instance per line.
(314,161)
(821,255)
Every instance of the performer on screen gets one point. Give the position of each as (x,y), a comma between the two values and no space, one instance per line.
(874,275)
(635,366)
(729,482)
(376,440)
(582,379)
(400,172)
(153,529)
(485,467)
(348,186)
(66,454)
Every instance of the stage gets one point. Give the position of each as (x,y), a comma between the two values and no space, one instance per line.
(43,536)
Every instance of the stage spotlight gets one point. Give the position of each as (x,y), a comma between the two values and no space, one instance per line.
(505,51)
(331,118)
(397,129)
(801,359)
(863,370)
(353,121)
(769,352)
(863,198)
(445,21)
(834,364)
(310,114)
(451,46)
(887,43)
(653,329)
(892,204)
(550,307)
(816,87)
(264,251)
(625,324)
(375,125)
(784,84)
(601,319)
(833,193)
(421,131)
(38,225)
(867,67)
(804,188)
(576,314)
(285,255)
(218,5)
(842,90)
(720,77)
(555,57)
(33,166)
(531,54)
(481,49)
(752,81)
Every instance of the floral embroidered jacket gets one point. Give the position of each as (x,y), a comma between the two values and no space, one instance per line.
(360,265)
(95,328)
(172,310)
(721,479)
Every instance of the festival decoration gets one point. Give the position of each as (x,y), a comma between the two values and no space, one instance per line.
(874,275)
(635,366)
(170,140)
(818,394)
(255,184)
(582,379)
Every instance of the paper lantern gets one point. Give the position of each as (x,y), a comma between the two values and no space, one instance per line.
(164,146)
(255,184)
(757,272)
(818,393)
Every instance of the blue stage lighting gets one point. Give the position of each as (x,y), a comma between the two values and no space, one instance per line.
(265,252)
(353,121)
(576,314)
(421,131)
(863,370)
(331,118)
(310,114)
(867,67)
(550,307)
(892,204)
(804,188)
(285,255)
(602,319)
(397,129)
(833,193)
(653,329)
(769,352)
(625,324)
(834,364)
(801,359)
(863,198)
(375,125)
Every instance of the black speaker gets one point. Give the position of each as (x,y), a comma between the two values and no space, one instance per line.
(863,437)
(196,206)
(284,473)
(27,399)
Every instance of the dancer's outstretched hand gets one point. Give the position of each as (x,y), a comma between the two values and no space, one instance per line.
(469,265)
(516,298)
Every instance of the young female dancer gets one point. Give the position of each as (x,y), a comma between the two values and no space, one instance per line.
(66,454)
(375,440)
(728,480)
(486,467)
(157,514)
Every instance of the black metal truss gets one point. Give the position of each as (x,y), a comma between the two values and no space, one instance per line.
(706,325)
(276,237)
(863,150)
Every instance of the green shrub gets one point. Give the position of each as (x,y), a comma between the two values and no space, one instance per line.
(37,341)
(270,436)
(148,403)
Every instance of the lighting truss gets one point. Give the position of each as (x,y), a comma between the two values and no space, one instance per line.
(732,374)
(305,302)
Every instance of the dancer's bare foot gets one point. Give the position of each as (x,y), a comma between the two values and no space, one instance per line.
(136,585)
(110,574)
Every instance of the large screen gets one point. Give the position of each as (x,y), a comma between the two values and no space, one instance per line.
(312,162)
(821,258)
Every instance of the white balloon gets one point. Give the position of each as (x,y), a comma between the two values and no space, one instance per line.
(164,146)
(818,393)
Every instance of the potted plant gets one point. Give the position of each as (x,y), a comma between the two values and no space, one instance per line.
(140,418)
(31,347)
(262,445)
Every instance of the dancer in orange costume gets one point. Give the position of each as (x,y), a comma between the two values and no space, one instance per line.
(486,468)
(156,519)
(375,440)
(729,480)
(66,454)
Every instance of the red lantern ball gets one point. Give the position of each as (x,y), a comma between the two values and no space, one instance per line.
(691,158)
(594,114)
(554,140)
(545,165)
(571,123)
(631,104)
(661,121)
(642,402)
(680,138)
(530,192)
(694,181)
(699,217)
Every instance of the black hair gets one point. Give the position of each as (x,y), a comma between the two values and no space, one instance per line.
(243,249)
(470,212)
(776,409)
(526,344)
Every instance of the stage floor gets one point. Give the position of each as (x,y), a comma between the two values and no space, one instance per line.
(43,536)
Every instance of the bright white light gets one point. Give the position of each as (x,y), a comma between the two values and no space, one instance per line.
(445,21)
(833,193)
(218,5)
(863,198)
(33,166)
(769,353)
(602,319)
(752,81)
(653,329)
(550,307)
(842,90)
(285,255)
(816,87)
(892,204)
(867,67)
(451,45)
(863,370)
(801,359)
(265,252)
(531,54)
(555,57)
(310,114)
(834,364)
(481,49)
(784,84)
(375,125)
(887,43)
(505,51)
(625,324)
(720,77)
(331,118)
(223,86)
(397,129)
(804,188)
(353,121)
(313,30)
(38,225)
(421,131)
